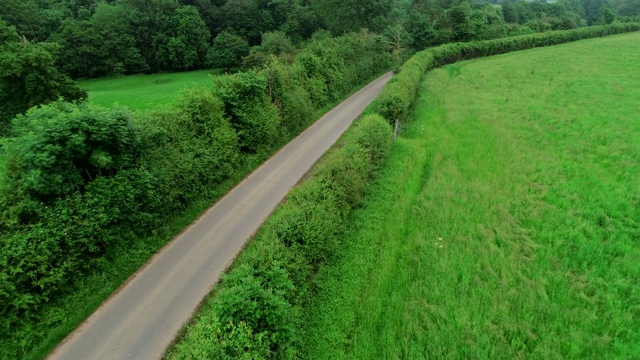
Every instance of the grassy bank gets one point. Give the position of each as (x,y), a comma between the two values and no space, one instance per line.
(144,92)
(505,224)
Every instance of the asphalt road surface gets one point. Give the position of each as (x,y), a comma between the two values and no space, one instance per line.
(141,319)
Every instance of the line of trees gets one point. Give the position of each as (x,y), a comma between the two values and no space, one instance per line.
(106,37)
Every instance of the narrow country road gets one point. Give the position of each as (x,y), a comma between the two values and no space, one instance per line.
(141,319)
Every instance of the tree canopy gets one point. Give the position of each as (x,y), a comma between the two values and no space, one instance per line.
(99,37)
(28,75)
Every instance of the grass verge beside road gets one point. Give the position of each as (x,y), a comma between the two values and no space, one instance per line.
(505,224)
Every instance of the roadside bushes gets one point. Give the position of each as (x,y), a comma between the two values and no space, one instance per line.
(305,231)
(255,311)
(58,150)
(188,148)
(82,184)
(397,97)
(255,119)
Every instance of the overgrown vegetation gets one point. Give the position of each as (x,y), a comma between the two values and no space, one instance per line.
(83,187)
(84,184)
(505,224)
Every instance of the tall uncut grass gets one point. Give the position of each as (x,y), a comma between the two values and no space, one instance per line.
(506,223)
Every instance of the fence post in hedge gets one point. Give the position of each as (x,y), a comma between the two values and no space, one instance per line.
(396,130)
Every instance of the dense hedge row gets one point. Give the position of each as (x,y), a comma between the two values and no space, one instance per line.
(397,97)
(256,311)
(81,184)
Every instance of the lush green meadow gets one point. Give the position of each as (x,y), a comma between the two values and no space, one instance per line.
(506,223)
(144,92)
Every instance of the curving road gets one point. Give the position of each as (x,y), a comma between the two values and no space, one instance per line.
(141,319)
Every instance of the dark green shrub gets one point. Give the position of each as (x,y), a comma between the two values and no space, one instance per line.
(58,149)
(257,300)
(372,133)
(252,115)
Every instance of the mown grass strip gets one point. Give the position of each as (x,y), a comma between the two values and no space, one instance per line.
(145,92)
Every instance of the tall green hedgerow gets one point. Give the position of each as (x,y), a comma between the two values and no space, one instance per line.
(255,312)
(397,97)
(305,231)
(82,183)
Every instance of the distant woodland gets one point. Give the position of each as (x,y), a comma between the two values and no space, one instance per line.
(105,37)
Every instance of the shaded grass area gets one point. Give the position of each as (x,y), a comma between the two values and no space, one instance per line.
(144,92)
(507,221)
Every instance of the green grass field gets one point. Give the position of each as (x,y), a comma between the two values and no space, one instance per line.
(506,224)
(144,92)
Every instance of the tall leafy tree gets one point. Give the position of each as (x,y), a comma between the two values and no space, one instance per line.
(227,51)
(28,76)
(188,42)
(421,30)
(119,54)
(152,20)
(460,22)
(593,10)
(351,15)
(80,45)
(210,13)
(247,19)
(27,16)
